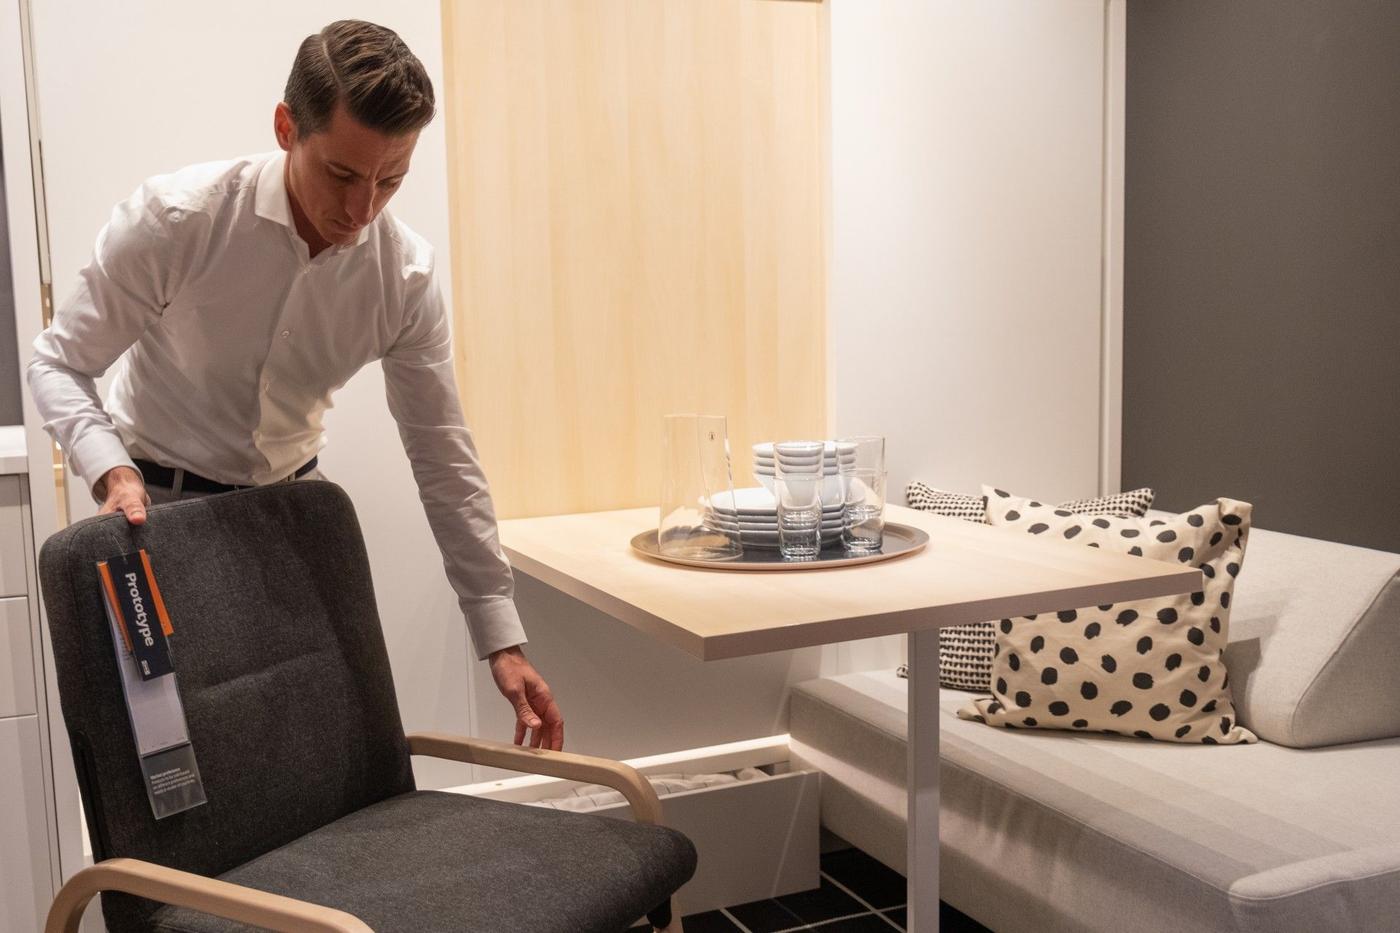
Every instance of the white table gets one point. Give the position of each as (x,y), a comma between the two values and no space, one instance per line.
(968,573)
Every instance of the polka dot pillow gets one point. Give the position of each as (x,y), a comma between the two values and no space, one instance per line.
(1153,668)
(965,651)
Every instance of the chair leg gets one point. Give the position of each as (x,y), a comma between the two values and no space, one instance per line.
(664,919)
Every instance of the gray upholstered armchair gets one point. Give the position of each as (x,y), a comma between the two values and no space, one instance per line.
(313,822)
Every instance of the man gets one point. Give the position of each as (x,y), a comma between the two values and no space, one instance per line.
(238,296)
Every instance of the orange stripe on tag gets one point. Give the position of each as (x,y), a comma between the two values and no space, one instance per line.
(165,625)
(111,592)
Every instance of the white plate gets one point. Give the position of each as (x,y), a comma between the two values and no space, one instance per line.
(833,497)
(804,458)
(751,499)
(830,463)
(758,500)
(798,449)
(829,516)
(827,454)
(831,490)
(826,461)
(767,512)
(827,528)
(769,471)
(830,450)
(756,523)
(829,458)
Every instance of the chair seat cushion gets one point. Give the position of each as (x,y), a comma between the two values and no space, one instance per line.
(427,861)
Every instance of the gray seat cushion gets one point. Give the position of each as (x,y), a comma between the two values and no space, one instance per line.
(427,861)
(1315,641)
(1054,831)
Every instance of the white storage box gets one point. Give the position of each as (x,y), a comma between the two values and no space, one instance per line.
(757,838)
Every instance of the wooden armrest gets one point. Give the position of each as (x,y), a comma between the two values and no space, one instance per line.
(185,889)
(646,807)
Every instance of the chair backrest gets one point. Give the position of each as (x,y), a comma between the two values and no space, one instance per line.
(281,666)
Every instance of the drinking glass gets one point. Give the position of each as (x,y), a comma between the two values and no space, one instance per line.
(862,452)
(797,490)
(863,520)
(861,461)
(694,472)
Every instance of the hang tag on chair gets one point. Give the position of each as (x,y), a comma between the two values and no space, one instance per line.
(130,587)
(141,634)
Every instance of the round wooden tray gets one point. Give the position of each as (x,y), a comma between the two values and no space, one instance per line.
(900,540)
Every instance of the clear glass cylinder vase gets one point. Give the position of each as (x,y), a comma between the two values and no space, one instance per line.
(695,469)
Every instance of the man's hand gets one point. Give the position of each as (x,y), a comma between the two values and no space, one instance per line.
(526,690)
(122,490)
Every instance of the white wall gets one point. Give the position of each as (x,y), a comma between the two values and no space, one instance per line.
(128,90)
(966,238)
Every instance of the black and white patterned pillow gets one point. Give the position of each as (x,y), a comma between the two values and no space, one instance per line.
(1153,668)
(1131,504)
(951,504)
(965,651)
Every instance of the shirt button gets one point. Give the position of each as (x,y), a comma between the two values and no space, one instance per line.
(286,334)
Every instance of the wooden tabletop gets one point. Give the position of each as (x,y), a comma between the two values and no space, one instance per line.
(967,573)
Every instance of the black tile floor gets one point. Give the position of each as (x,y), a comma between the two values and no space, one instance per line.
(857,894)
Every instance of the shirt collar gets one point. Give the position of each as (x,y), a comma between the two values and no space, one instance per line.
(271,200)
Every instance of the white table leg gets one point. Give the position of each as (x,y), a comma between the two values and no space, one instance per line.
(923,782)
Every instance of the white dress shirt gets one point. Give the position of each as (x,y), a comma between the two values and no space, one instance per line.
(230,341)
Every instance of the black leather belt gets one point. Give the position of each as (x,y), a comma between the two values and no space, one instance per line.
(156,475)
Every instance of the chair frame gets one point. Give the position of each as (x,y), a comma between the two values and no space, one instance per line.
(289,915)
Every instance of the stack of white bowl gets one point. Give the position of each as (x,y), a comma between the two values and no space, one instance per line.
(834,456)
(753,513)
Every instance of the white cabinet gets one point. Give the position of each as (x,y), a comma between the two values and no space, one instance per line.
(13,574)
(16,659)
(26,840)
(24,832)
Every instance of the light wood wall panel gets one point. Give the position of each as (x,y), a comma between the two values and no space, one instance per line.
(638,200)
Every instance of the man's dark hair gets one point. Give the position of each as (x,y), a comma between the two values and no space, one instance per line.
(368,68)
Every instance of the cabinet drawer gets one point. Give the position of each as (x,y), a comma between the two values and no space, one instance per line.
(13,580)
(16,659)
(25,886)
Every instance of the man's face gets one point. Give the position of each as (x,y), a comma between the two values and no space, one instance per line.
(340,178)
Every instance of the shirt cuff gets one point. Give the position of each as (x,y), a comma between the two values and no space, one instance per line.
(95,453)
(494,624)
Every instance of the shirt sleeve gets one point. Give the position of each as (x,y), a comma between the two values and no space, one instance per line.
(422,395)
(121,292)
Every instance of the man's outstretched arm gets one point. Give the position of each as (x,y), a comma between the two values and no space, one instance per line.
(422,395)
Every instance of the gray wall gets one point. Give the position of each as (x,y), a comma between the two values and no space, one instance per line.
(11,410)
(1261,348)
